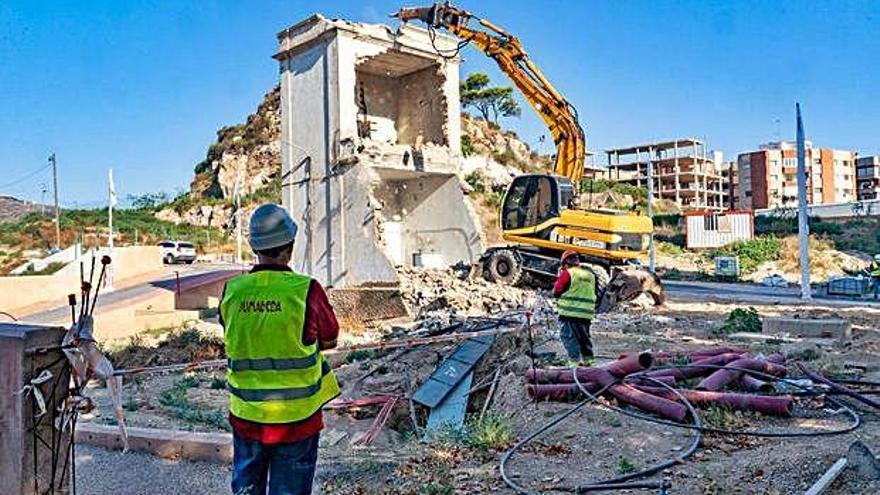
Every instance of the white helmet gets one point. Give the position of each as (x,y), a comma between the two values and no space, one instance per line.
(877,258)
(271,226)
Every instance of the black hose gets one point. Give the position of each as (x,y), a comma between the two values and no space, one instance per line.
(619,483)
(856,420)
(697,423)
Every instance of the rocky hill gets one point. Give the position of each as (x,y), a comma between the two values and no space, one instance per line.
(251,151)
(14,209)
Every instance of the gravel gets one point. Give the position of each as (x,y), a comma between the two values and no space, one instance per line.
(102,472)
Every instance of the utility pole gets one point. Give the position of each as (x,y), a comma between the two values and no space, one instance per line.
(57,210)
(237,194)
(803,219)
(650,178)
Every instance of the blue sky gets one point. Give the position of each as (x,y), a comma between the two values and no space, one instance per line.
(143,86)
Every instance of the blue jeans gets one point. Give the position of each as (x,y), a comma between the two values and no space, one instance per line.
(287,468)
(575,336)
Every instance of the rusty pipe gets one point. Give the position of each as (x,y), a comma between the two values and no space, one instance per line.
(697,368)
(620,368)
(560,392)
(635,397)
(752,384)
(723,377)
(629,364)
(776,405)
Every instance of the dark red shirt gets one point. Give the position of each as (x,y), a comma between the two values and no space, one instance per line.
(320,325)
(563,281)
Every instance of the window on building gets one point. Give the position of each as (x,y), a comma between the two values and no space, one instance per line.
(710,223)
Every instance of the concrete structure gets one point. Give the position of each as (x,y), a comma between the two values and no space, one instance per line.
(67,255)
(768,177)
(683,172)
(828,328)
(19,293)
(730,181)
(867,208)
(706,229)
(167,444)
(868,177)
(26,463)
(370,144)
(166,303)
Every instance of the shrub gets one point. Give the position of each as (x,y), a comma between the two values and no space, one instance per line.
(669,248)
(739,320)
(467,147)
(476,180)
(481,433)
(751,253)
(625,466)
(489,432)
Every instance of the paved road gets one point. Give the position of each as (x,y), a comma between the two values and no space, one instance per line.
(105,472)
(189,274)
(753,292)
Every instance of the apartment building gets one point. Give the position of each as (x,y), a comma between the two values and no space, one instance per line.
(768,177)
(684,172)
(868,177)
(730,184)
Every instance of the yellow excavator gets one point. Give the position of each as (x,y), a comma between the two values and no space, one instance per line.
(539,214)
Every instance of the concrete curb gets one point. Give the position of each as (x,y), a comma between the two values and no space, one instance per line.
(168,444)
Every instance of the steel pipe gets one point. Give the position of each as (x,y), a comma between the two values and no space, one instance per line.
(776,405)
(723,377)
(634,397)
(752,384)
(694,370)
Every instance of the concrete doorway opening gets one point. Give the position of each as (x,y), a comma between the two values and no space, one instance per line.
(425,219)
(400,100)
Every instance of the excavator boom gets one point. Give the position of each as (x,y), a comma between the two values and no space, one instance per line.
(539,212)
(507,51)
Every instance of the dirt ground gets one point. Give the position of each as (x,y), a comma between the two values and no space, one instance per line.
(592,444)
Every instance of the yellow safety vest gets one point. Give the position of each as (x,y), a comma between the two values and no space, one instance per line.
(875,269)
(579,301)
(271,375)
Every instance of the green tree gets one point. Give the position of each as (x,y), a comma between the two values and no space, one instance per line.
(490,101)
(148,201)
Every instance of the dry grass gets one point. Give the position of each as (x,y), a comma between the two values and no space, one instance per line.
(824,259)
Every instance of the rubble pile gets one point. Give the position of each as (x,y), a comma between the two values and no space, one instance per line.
(453,291)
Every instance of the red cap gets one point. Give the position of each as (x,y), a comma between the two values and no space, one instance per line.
(568,254)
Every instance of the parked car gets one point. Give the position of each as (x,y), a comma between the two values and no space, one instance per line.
(177,252)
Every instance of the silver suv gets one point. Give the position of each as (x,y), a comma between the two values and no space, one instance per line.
(177,252)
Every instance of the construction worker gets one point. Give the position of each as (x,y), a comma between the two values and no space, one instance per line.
(875,275)
(276,322)
(575,288)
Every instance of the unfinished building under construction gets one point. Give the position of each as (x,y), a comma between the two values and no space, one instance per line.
(370,143)
(684,172)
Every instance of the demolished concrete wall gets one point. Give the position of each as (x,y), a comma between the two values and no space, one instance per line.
(370,134)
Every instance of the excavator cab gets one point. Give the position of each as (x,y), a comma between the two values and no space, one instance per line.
(533,200)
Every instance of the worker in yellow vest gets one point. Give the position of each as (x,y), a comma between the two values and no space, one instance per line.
(276,323)
(575,288)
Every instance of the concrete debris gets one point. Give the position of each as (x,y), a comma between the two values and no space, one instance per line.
(448,292)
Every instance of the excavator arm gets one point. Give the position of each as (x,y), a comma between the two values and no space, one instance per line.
(507,51)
